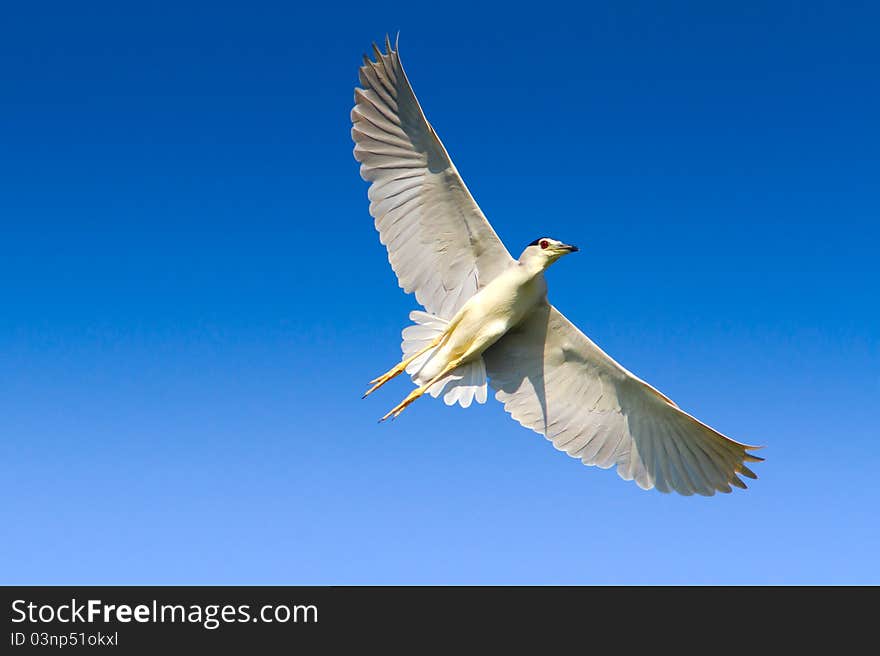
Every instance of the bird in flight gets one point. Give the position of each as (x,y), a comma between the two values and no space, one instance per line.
(487,320)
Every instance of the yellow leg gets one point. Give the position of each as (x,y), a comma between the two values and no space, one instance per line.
(417,392)
(399,368)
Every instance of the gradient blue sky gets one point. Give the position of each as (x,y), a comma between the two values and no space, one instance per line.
(193,295)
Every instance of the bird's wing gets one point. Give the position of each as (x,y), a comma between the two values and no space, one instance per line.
(553,379)
(439,243)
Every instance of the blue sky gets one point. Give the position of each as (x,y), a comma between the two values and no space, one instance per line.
(194,296)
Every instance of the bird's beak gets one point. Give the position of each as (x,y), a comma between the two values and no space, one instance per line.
(570,248)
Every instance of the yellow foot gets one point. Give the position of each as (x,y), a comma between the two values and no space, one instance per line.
(384,378)
(403,405)
(400,367)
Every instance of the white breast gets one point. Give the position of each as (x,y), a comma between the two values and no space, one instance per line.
(511,296)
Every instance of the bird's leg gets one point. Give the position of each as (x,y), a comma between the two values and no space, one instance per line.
(399,368)
(417,392)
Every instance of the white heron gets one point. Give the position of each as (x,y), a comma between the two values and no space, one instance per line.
(487,318)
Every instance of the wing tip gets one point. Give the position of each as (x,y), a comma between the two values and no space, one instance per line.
(751,457)
(748,473)
(389,49)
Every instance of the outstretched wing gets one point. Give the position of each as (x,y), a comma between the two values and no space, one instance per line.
(553,379)
(439,243)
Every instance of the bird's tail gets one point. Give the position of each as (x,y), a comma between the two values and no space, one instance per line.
(463,385)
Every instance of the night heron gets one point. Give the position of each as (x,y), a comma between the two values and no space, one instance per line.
(487,319)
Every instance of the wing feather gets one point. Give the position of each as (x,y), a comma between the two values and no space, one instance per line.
(439,243)
(553,379)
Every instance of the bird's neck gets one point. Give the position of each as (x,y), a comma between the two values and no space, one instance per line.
(533,265)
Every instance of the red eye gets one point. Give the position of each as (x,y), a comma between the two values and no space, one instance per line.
(544,243)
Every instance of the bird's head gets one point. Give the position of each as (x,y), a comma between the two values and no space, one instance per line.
(545,251)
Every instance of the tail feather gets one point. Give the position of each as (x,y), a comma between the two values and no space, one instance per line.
(463,385)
